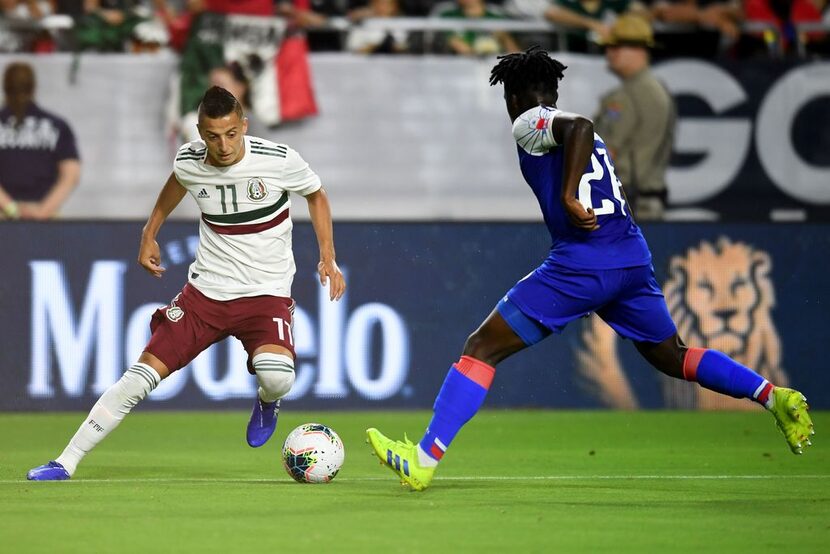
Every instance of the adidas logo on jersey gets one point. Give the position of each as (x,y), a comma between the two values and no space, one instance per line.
(203,194)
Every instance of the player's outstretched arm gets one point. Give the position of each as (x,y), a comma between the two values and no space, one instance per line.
(149,253)
(576,134)
(320,212)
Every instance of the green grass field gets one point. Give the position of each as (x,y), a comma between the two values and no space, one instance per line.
(514,481)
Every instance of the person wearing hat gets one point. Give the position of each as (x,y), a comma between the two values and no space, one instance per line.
(637,118)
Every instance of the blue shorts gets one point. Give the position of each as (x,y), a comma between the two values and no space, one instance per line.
(628,299)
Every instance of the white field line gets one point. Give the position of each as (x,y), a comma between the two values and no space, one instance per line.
(483,478)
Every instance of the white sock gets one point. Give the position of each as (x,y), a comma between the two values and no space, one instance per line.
(116,402)
(424,459)
(275,375)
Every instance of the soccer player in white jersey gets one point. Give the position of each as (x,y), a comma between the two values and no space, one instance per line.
(240,283)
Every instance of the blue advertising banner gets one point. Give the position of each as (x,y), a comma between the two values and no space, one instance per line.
(76,309)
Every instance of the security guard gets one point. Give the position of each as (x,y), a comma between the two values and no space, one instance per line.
(637,119)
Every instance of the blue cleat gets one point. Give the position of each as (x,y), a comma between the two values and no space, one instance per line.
(263,422)
(53,471)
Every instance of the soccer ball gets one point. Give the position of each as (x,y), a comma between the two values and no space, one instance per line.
(312,453)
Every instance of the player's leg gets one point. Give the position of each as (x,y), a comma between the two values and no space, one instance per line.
(711,369)
(468,380)
(114,404)
(550,295)
(540,304)
(178,335)
(640,313)
(460,397)
(264,325)
(718,372)
(274,369)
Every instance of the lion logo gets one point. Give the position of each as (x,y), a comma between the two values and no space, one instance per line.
(721,297)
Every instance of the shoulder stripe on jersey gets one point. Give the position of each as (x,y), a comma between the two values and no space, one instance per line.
(247,229)
(260,143)
(276,154)
(245,217)
(189,158)
(273,149)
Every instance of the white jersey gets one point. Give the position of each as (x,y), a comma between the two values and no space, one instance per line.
(245,230)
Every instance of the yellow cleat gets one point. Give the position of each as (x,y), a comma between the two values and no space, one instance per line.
(792,417)
(402,458)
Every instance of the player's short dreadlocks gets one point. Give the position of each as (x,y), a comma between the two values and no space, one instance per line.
(532,69)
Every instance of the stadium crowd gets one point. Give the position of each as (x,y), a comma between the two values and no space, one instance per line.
(706,28)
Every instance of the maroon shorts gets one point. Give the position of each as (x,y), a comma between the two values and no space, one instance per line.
(192,322)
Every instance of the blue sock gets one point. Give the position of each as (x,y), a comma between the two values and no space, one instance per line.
(718,372)
(460,397)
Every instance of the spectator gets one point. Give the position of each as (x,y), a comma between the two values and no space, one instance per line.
(106,25)
(39,163)
(703,28)
(533,10)
(637,119)
(376,41)
(785,15)
(178,21)
(477,43)
(25,9)
(588,21)
(311,14)
(20,30)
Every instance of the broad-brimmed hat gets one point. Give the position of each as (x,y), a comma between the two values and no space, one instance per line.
(630,30)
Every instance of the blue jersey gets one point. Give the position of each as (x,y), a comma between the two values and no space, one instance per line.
(618,242)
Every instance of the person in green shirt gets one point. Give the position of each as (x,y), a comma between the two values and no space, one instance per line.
(477,43)
(588,21)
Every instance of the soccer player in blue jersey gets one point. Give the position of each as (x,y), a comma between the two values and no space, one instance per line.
(599,262)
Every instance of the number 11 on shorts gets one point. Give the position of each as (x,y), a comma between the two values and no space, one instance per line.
(284,327)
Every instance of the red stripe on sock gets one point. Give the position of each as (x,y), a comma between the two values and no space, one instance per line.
(691,361)
(762,398)
(436,452)
(476,371)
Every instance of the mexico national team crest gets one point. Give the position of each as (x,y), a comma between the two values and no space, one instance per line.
(704,283)
(173,312)
(256,189)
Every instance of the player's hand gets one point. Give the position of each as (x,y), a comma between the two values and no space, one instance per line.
(579,216)
(33,211)
(149,257)
(331,274)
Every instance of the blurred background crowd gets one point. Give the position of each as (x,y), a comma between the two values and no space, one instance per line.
(706,28)
(735,106)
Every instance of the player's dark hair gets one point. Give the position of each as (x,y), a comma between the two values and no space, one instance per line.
(19,72)
(530,71)
(218,102)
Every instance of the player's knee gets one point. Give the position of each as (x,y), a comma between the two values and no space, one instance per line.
(137,382)
(477,346)
(275,375)
(666,356)
(473,344)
